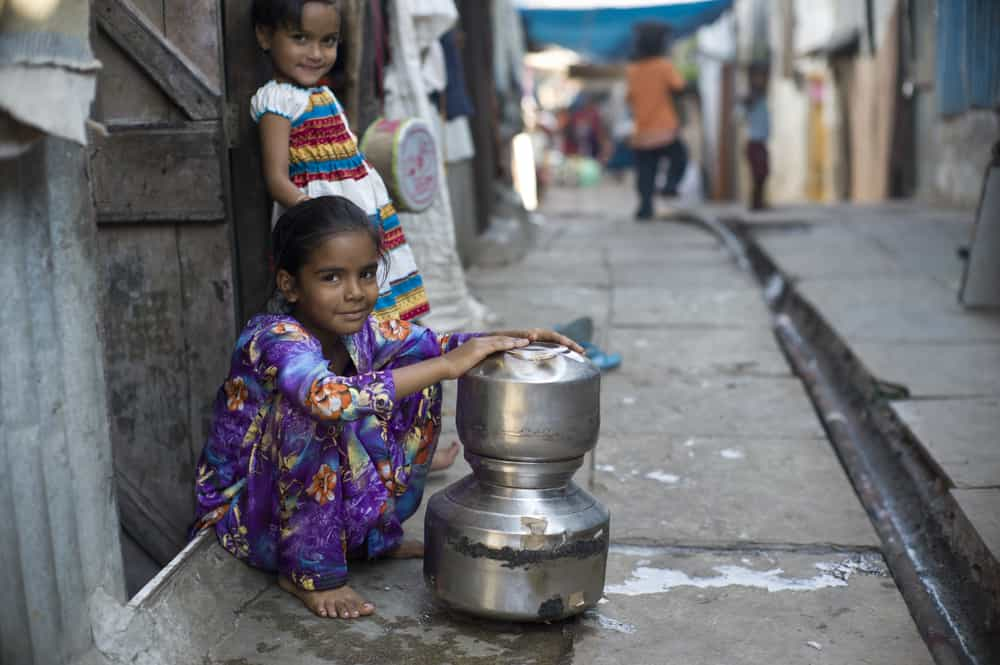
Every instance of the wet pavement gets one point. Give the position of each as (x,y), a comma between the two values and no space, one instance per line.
(736,536)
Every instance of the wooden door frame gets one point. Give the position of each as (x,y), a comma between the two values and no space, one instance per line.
(245,66)
(176,175)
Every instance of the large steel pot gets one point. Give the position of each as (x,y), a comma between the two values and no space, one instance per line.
(518,539)
(534,404)
(515,554)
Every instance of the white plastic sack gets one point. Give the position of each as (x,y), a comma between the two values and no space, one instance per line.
(431,234)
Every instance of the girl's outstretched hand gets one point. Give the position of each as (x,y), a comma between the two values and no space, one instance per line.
(474,351)
(543,335)
(458,361)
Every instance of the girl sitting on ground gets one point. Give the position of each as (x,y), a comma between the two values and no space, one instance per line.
(325,427)
(307,147)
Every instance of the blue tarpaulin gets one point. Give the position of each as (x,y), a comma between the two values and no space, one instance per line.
(602,30)
(968,55)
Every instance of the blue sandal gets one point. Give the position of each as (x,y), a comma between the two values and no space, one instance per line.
(581,331)
(604,361)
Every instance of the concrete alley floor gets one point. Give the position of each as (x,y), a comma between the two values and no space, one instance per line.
(887,279)
(736,536)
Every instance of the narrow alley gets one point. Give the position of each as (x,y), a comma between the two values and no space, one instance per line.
(735,534)
(735,266)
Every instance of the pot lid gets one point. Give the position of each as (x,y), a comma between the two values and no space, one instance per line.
(539,362)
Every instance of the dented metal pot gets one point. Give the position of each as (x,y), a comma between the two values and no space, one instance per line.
(518,539)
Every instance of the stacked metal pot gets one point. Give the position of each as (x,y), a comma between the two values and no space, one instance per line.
(518,539)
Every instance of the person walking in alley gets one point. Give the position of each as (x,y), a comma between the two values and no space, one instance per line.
(325,428)
(758,120)
(308,148)
(652,83)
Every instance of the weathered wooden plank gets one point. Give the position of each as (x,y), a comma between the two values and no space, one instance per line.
(159,174)
(176,75)
(169,304)
(193,27)
(352,30)
(251,213)
(124,92)
(369,106)
(159,536)
(209,322)
(148,391)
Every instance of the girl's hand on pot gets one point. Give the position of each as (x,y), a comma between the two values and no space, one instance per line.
(543,335)
(474,351)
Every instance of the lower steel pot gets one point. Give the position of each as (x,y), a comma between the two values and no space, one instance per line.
(516,554)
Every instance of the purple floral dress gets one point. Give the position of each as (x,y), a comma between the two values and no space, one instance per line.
(303,468)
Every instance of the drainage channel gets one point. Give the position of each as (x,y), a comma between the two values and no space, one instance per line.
(948,579)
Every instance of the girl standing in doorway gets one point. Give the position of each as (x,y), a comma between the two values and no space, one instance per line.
(307,147)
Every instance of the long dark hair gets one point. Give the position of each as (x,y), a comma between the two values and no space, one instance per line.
(283,13)
(306,225)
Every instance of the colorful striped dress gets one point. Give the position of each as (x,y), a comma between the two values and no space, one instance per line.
(324,160)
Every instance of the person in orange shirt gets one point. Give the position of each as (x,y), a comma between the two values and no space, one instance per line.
(652,83)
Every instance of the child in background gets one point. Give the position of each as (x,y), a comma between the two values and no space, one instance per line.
(307,148)
(758,129)
(652,83)
(324,430)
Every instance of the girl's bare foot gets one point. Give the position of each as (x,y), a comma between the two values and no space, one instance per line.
(444,457)
(343,602)
(408,549)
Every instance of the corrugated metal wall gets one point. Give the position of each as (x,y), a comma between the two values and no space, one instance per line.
(968,55)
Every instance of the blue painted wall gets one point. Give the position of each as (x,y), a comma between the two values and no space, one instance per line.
(968,55)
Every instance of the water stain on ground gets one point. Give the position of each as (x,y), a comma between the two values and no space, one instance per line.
(411,628)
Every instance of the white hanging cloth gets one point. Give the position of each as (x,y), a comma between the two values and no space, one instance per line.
(415,25)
